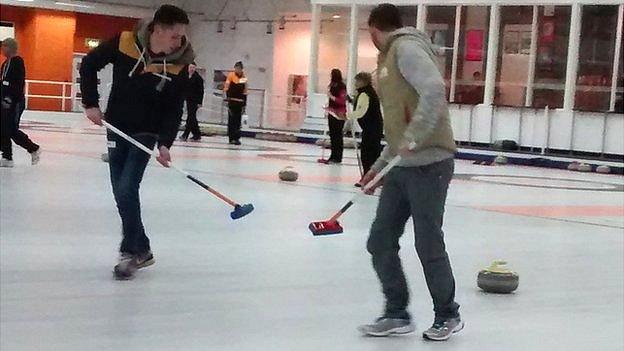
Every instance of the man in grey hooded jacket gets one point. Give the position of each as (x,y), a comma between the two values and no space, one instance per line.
(417,126)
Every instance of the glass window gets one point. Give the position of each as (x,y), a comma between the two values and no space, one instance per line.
(619,95)
(441,28)
(472,54)
(596,53)
(367,52)
(513,55)
(552,56)
(333,44)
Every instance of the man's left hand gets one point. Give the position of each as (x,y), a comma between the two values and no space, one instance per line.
(164,157)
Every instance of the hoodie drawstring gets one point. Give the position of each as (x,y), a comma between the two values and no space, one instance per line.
(163,77)
(141,59)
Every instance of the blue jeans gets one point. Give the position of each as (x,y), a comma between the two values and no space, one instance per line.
(127,165)
(420,193)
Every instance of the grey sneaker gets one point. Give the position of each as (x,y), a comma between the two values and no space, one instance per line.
(127,266)
(35,156)
(144,260)
(441,331)
(6,163)
(387,326)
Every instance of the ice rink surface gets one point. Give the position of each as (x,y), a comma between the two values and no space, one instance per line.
(264,282)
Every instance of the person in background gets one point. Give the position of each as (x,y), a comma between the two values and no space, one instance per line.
(367,111)
(236,94)
(150,76)
(417,127)
(13,102)
(474,93)
(194,100)
(336,115)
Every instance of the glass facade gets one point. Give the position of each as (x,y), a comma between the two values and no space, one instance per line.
(597,50)
(532,52)
(472,54)
(514,55)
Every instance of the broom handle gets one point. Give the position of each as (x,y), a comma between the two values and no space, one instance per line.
(153,153)
(367,187)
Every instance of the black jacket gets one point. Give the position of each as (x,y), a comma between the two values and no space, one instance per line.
(195,93)
(372,122)
(13,80)
(141,99)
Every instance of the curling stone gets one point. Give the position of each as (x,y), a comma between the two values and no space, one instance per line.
(498,279)
(573,166)
(584,167)
(288,174)
(501,160)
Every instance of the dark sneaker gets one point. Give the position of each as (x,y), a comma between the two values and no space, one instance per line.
(127,266)
(235,142)
(388,326)
(144,260)
(35,156)
(196,138)
(183,138)
(441,331)
(333,162)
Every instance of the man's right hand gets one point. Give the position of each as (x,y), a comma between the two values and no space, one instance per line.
(94,114)
(368,177)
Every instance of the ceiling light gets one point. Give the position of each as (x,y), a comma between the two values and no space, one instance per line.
(73,5)
(336,16)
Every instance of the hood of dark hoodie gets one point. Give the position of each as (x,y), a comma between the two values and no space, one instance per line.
(184,55)
(414,34)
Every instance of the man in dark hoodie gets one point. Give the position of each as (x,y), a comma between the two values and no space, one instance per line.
(194,100)
(13,101)
(150,77)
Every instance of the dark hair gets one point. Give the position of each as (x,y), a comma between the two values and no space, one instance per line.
(386,18)
(170,15)
(336,76)
(238,64)
(364,77)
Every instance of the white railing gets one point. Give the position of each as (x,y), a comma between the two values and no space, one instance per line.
(63,97)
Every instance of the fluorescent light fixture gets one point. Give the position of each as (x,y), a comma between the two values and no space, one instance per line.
(336,16)
(26,0)
(73,5)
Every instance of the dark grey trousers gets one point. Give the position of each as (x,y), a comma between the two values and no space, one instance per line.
(420,193)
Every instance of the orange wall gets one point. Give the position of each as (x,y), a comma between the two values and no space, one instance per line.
(98,27)
(48,40)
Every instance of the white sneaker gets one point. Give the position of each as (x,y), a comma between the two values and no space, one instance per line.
(6,163)
(35,156)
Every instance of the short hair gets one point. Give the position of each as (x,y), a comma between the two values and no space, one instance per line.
(364,77)
(170,15)
(10,43)
(239,64)
(386,18)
